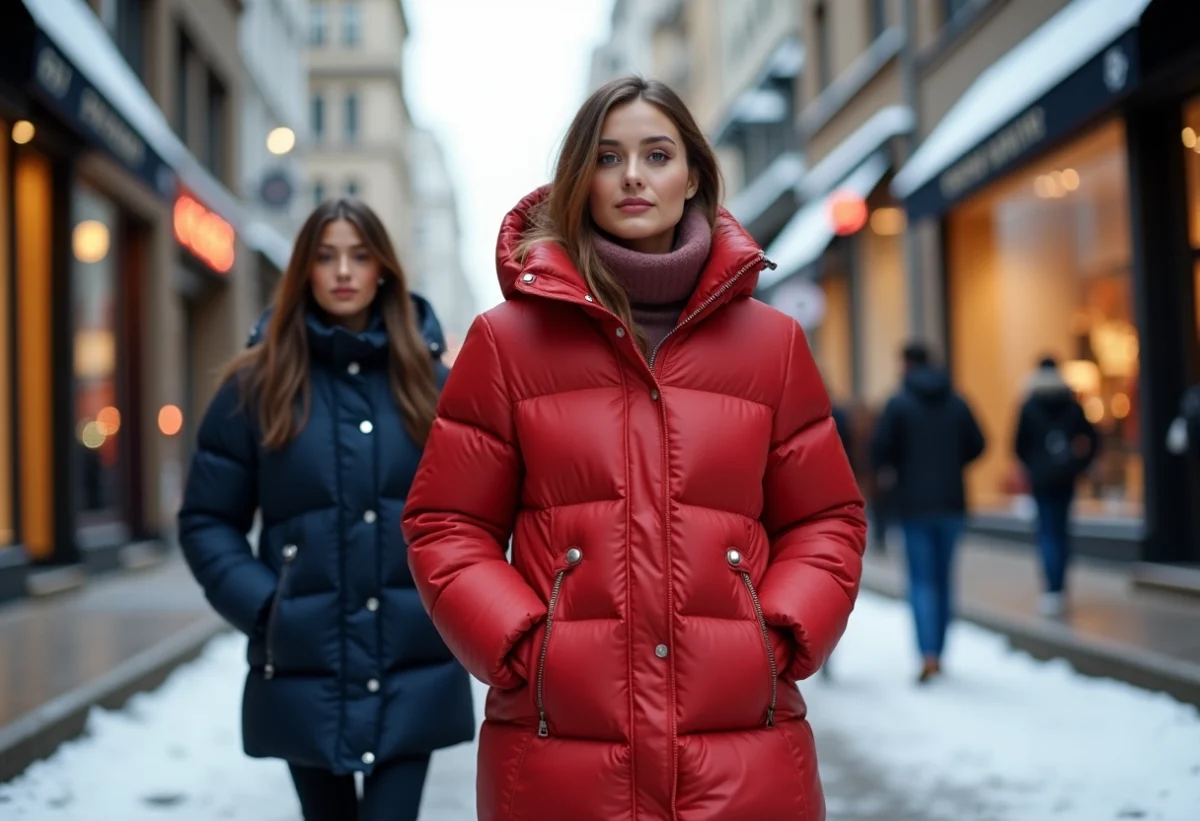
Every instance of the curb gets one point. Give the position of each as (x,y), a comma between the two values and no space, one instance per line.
(38,733)
(1091,657)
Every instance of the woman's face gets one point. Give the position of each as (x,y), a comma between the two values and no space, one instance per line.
(642,181)
(345,275)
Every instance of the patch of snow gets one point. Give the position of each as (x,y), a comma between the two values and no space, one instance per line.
(176,753)
(1028,739)
(1024,739)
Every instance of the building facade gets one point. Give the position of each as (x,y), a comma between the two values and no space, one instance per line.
(438,274)
(126,269)
(1004,179)
(273,40)
(359,128)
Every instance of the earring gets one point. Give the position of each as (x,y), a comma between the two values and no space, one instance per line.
(381,280)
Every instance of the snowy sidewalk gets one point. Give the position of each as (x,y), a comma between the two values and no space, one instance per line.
(1001,738)
(1114,628)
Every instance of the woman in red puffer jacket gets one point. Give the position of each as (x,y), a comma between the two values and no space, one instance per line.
(686,532)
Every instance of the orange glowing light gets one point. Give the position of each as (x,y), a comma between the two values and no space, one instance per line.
(108,420)
(204,233)
(170,420)
(847,212)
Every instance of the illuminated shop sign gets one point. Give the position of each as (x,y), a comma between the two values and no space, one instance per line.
(205,234)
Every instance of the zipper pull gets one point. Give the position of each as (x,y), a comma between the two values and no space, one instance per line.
(269,671)
(543,728)
(770,716)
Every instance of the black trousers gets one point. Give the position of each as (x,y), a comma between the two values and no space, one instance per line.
(392,792)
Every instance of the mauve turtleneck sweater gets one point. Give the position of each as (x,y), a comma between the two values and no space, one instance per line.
(660,285)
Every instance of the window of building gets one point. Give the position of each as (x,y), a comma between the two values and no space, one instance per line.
(318,193)
(1039,264)
(351,117)
(351,24)
(96,321)
(824,46)
(126,24)
(1191,148)
(318,117)
(953,8)
(183,62)
(215,128)
(7,477)
(318,23)
(877,14)
(33,213)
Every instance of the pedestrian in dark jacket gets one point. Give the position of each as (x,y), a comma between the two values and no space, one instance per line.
(319,427)
(927,436)
(1056,443)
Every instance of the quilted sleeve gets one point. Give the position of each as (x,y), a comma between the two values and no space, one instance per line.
(218,511)
(459,517)
(813,515)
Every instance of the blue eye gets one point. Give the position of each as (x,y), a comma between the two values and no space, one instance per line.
(658,155)
(604,159)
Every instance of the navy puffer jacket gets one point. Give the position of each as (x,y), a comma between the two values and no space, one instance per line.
(346,668)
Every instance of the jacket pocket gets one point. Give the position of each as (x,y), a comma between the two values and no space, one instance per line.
(570,560)
(737,562)
(289,557)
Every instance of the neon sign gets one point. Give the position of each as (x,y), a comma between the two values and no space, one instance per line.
(205,234)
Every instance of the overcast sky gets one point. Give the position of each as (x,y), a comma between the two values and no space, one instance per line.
(498,82)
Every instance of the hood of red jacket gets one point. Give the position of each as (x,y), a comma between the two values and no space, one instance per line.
(733,251)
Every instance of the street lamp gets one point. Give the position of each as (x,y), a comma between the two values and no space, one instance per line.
(281,140)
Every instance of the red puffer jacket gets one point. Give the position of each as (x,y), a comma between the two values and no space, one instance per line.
(687,541)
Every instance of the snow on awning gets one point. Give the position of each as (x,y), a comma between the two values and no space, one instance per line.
(782,174)
(809,232)
(75,30)
(883,125)
(1060,48)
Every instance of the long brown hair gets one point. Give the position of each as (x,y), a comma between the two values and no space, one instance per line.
(274,373)
(563,217)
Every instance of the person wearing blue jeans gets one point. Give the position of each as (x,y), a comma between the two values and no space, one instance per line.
(927,436)
(929,543)
(1056,444)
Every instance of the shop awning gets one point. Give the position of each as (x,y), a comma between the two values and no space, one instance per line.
(808,234)
(79,71)
(781,176)
(885,124)
(1065,72)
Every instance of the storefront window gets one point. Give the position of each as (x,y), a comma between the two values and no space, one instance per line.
(1039,264)
(832,339)
(7,535)
(1191,148)
(95,294)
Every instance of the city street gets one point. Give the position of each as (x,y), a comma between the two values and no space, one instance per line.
(1001,738)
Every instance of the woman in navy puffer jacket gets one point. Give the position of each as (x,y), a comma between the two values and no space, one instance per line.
(320,425)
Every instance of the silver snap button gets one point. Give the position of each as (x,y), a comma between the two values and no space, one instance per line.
(434,347)
(366,427)
(620,332)
(733,557)
(368,758)
(574,555)
(373,685)
(661,651)
(372,604)
(527,278)
(353,369)
(289,552)
(369,517)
